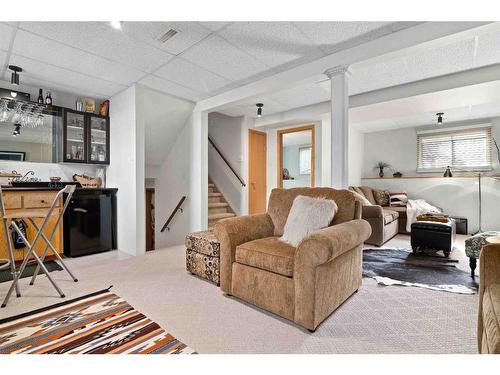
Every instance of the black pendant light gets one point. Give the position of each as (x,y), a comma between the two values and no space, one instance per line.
(259,109)
(440,118)
(17,130)
(14,77)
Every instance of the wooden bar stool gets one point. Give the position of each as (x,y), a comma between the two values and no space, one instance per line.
(31,215)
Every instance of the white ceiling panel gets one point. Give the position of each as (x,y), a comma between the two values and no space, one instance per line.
(172,88)
(189,33)
(442,60)
(301,96)
(187,74)
(488,49)
(45,50)
(5,36)
(378,75)
(218,56)
(101,39)
(273,43)
(327,35)
(214,25)
(78,82)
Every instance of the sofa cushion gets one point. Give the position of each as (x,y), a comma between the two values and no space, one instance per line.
(368,193)
(361,198)
(268,254)
(401,210)
(491,317)
(389,216)
(281,200)
(357,190)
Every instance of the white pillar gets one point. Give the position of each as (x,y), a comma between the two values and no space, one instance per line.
(340,125)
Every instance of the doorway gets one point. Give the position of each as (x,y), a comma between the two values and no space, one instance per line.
(257,171)
(150,219)
(296,157)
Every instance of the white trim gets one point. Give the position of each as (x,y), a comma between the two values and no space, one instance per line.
(454,128)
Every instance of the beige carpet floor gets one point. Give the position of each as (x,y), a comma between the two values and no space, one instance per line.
(377,319)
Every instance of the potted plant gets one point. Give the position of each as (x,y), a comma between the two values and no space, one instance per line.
(380,166)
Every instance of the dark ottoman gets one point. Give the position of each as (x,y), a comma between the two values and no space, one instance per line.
(433,235)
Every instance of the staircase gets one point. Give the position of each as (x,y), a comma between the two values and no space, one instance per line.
(218,208)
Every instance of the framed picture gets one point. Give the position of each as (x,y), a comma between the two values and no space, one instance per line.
(13,155)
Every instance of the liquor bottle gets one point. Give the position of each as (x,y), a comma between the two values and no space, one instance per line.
(48,99)
(40,96)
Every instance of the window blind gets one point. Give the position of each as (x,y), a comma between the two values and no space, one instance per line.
(463,149)
(305,160)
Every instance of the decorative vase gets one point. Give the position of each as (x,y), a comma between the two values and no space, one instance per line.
(381,173)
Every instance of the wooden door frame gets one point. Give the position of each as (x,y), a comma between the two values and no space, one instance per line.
(279,137)
(248,167)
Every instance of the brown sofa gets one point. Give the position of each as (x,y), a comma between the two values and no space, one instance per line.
(489,300)
(304,284)
(386,221)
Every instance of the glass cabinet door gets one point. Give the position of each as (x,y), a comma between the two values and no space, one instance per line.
(98,140)
(74,139)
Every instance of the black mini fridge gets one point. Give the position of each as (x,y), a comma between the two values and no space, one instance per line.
(89,222)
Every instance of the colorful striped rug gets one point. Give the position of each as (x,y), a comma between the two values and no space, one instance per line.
(98,323)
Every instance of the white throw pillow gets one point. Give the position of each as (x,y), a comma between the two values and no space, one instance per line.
(306,216)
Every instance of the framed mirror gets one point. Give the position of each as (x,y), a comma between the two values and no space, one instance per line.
(296,157)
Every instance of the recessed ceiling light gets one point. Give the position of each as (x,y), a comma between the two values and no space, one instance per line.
(116,24)
(440,118)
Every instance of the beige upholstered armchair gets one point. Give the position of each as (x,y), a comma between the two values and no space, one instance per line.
(488,327)
(304,284)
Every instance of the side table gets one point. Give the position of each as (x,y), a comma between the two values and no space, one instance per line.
(473,246)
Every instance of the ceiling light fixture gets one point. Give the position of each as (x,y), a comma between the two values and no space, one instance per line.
(17,130)
(14,78)
(440,118)
(116,24)
(259,109)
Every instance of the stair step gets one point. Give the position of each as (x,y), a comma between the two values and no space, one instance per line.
(220,216)
(213,195)
(211,185)
(218,205)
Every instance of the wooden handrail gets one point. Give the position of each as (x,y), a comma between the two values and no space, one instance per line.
(226,161)
(177,208)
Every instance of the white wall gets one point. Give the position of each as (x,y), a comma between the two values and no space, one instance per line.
(231,136)
(457,196)
(126,171)
(272,155)
(183,173)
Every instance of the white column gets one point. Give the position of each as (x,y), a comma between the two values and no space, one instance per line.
(340,125)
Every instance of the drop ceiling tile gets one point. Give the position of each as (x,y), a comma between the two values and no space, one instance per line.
(327,35)
(214,25)
(37,70)
(488,49)
(45,50)
(171,88)
(273,43)
(5,36)
(378,75)
(101,39)
(301,96)
(189,33)
(441,60)
(187,74)
(218,56)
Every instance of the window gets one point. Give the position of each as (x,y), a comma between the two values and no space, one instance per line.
(305,160)
(463,149)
